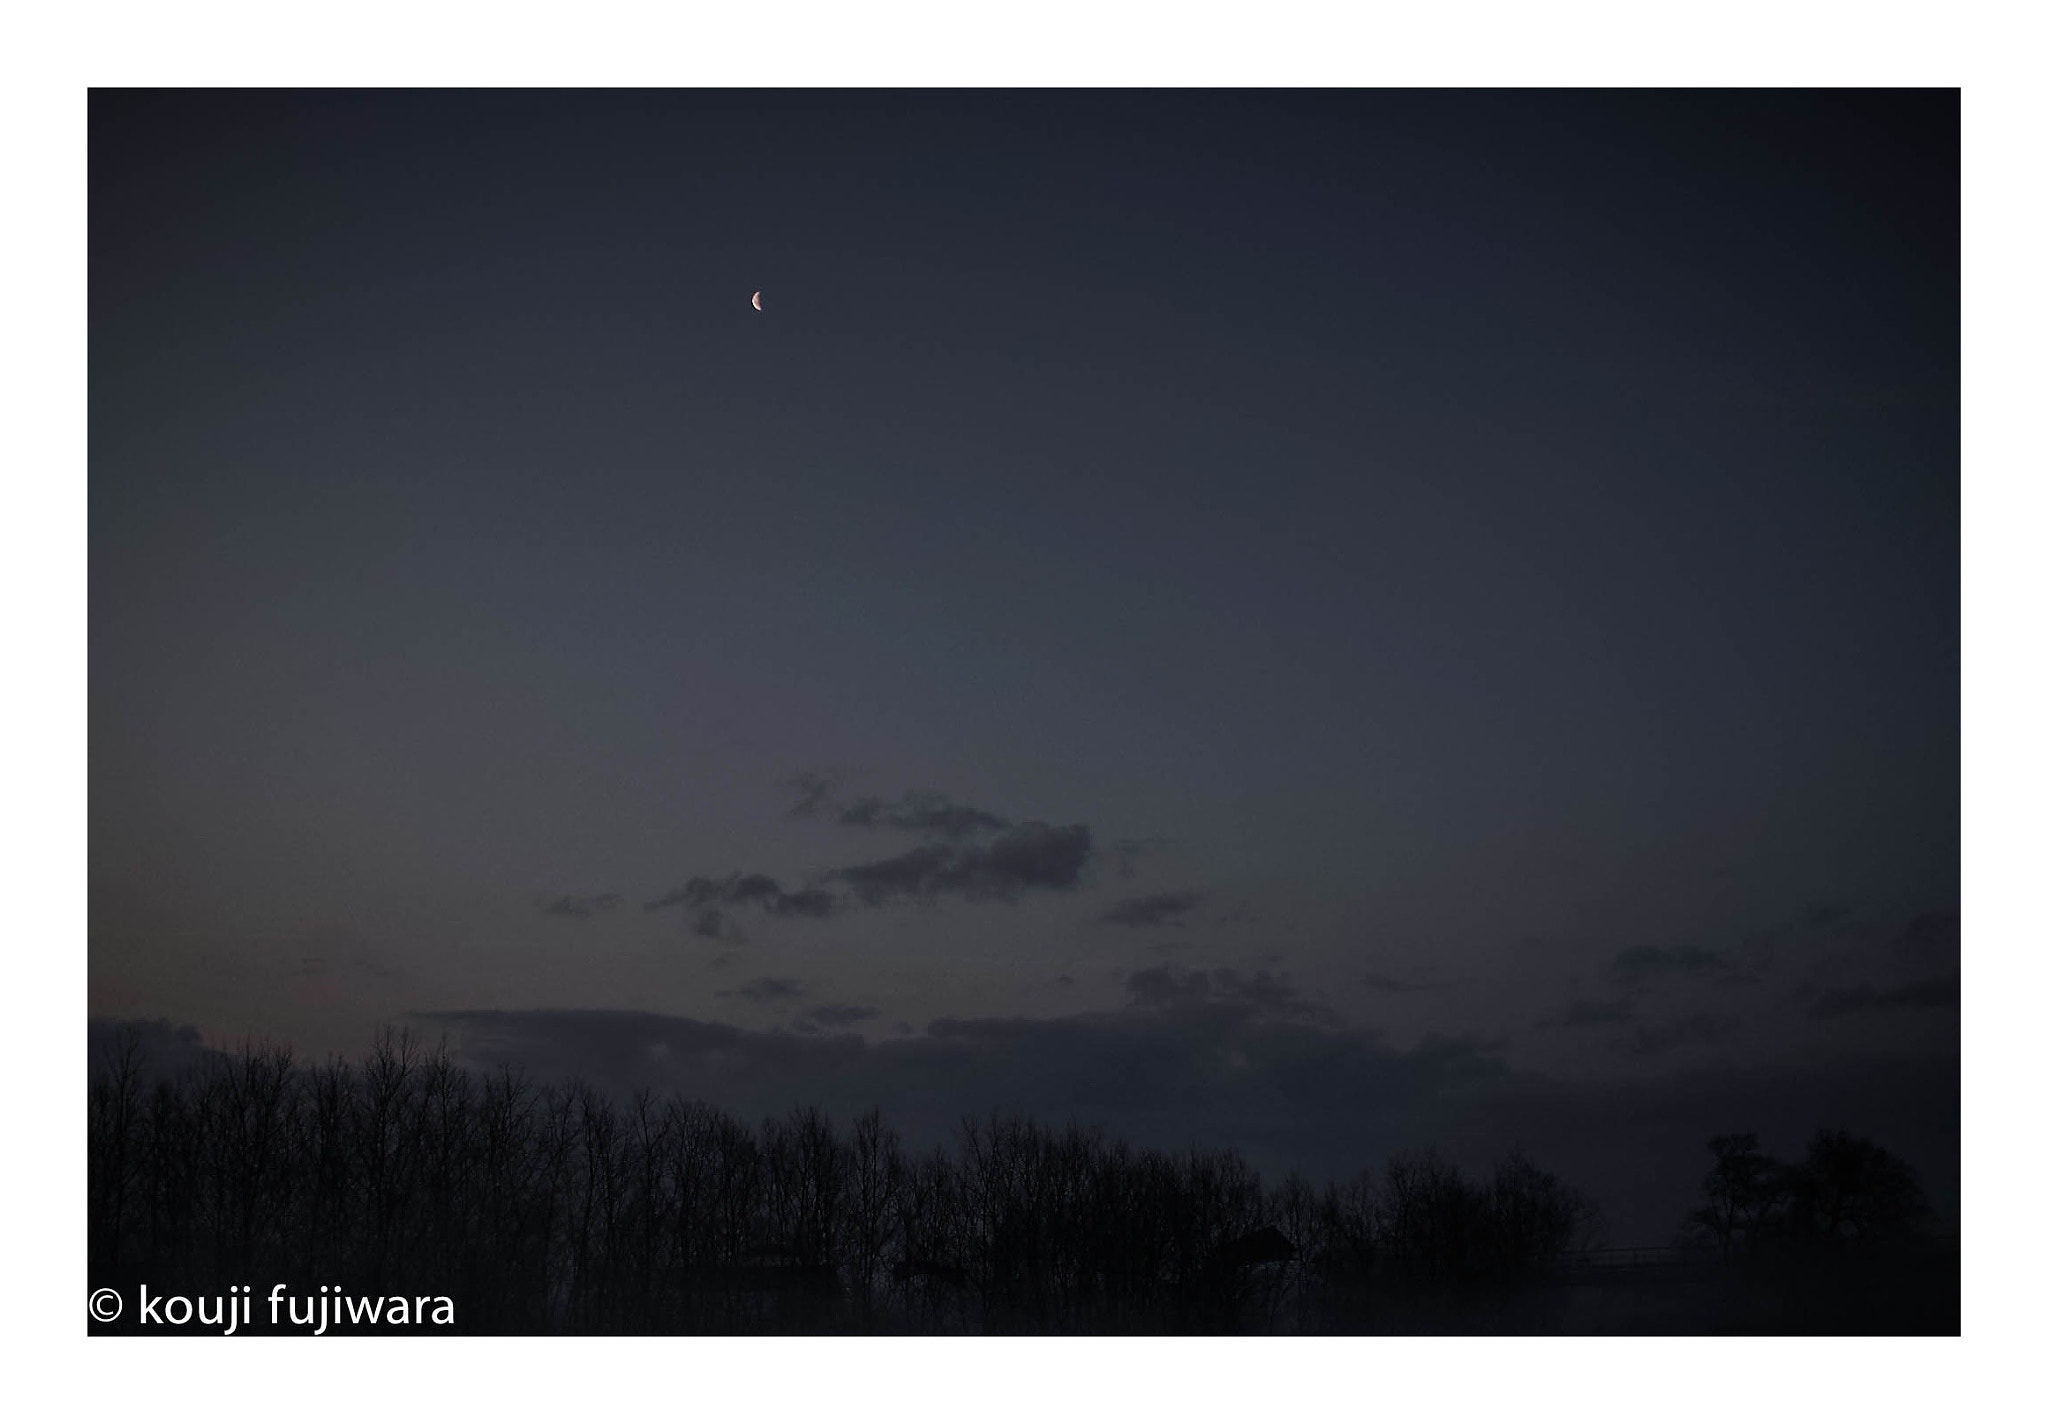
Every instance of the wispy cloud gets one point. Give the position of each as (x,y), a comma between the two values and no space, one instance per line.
(928,813)
(1154,911)
(921,812)
(966,852)
(581,907)
(814,792)
(827,1017)
(762,892)
(769,989)
(1591,1013)
(1940,992)
(713,923)
(1032,856)
(1682,1031)
(1648,961)
(1261,994)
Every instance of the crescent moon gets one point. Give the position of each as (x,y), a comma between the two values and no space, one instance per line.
(757,301)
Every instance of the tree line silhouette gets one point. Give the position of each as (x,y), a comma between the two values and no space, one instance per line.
(557,1208)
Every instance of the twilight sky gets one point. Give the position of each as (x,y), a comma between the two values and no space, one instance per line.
(1320,622)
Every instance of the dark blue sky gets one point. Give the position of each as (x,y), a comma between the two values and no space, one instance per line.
(1487,564)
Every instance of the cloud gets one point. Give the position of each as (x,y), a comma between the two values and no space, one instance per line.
(1682,1031)
(1944,991)
(1151,911)
(1387,984)
(1648,961)
(738,890)
(1031,856)
(1125,854)
(1932,935)
(768,989)
(834,1016)
(581,907)
(924,812)
(968,852)
(712,923)
(930,813)
(1263,994)
(1588,1013)
(814,793)
(1207,1067)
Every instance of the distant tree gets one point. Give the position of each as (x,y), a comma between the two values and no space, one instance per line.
(1533,1218)
(1745,1195)
(564,1208)
(1846,1189)
(876,1170)
(114,1105)
(1849,1189)
(1432,1220)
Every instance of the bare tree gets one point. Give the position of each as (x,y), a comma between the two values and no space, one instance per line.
(1744,1194)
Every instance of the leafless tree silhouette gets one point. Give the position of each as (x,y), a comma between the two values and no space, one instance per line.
(556,1207)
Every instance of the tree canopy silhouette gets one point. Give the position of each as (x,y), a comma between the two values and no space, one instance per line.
(554,1207)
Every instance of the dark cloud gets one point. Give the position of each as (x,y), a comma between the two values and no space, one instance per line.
(923,812)
(1687,1029)
(826,1017)
(739,890)
(734,889)
(811,904)
(722,961)
(1648,961)
(1207,1067)
(1263,994)
(814,793)
(318,968)
(581,907)
(1031,856)
(768,989)
(928,813)
(1931,934)
(1152,911)
(1588,1013)
(1387,984)
(967,851)
(1126,853)
(1940,992)
(713,923)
